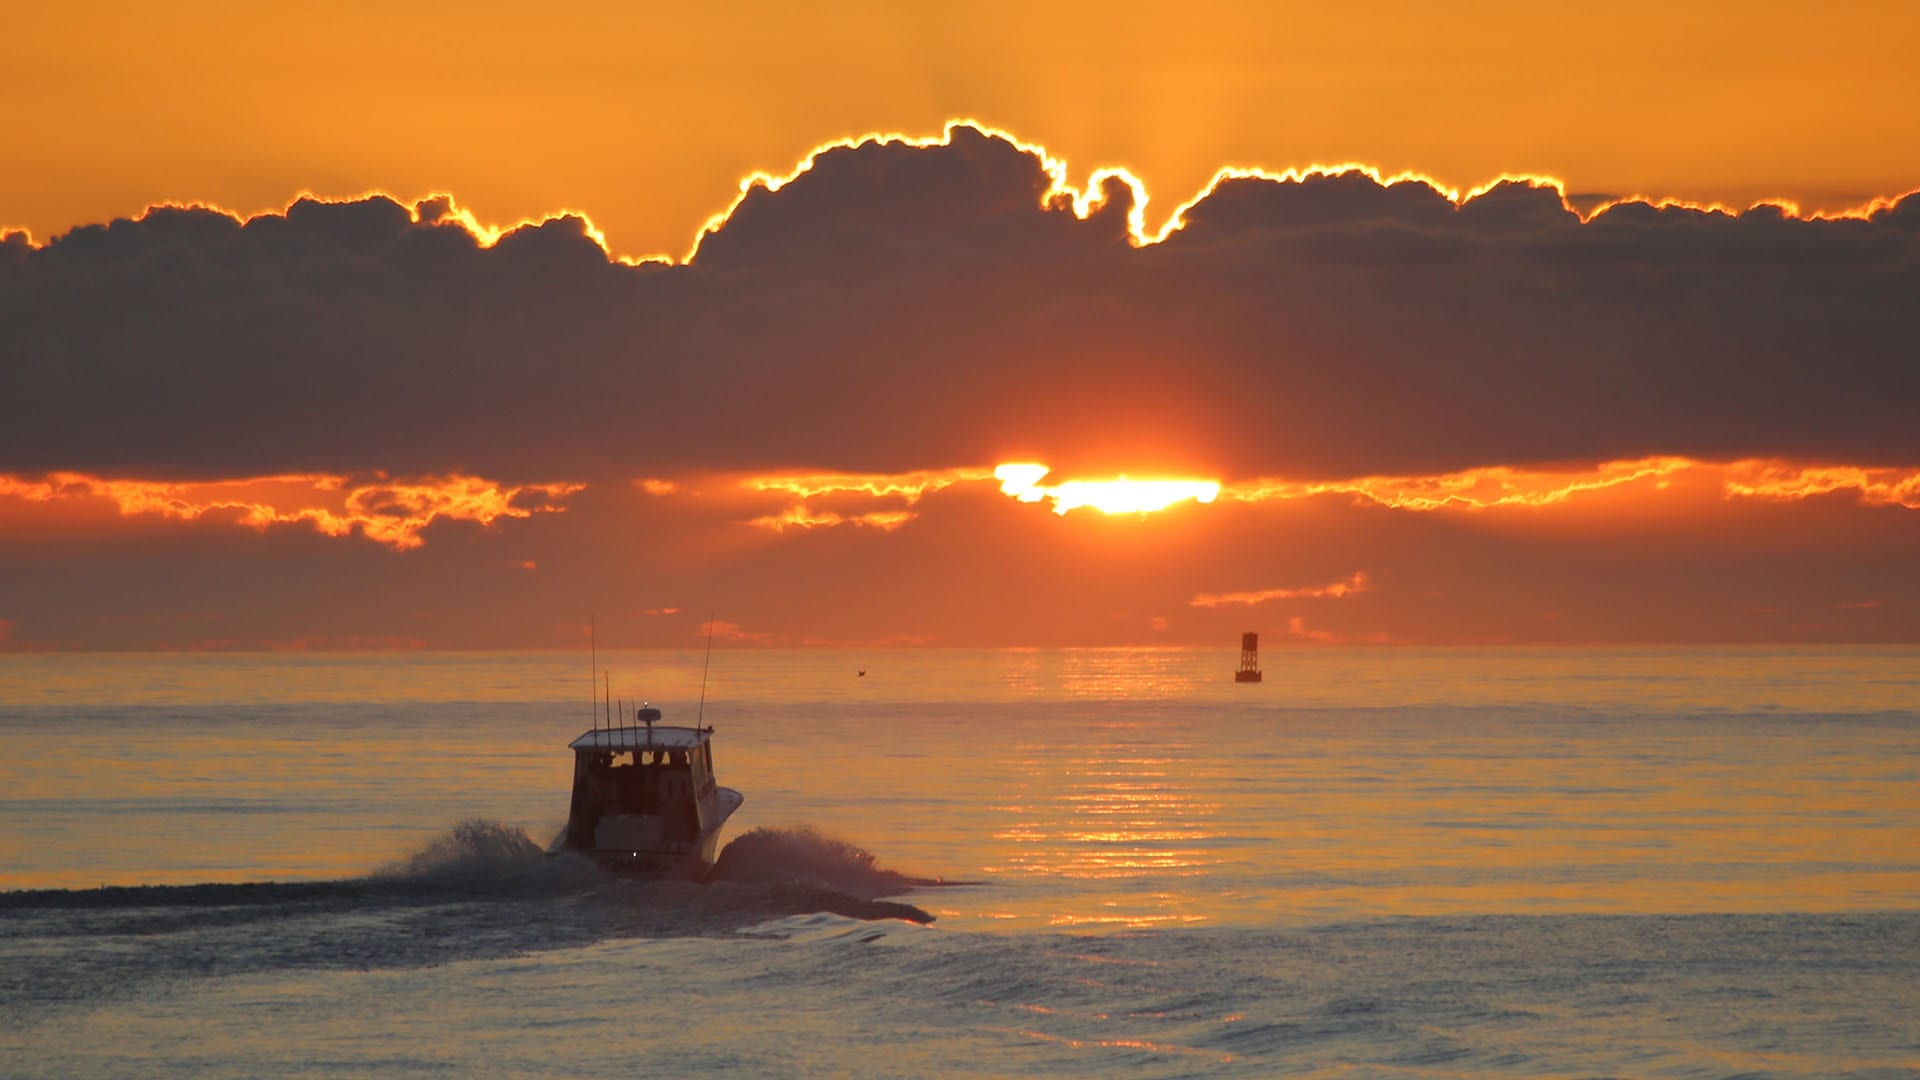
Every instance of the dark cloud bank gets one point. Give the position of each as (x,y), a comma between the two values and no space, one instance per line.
(898,307)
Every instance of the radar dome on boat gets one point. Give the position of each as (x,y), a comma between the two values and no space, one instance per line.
(649,715)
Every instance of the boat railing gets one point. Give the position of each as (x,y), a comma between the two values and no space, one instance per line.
(645,718)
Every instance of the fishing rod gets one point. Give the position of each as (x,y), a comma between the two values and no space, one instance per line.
(703,674)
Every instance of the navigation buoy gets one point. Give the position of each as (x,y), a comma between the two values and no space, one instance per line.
(1249,658)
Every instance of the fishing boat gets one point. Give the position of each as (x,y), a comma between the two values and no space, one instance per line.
(644,798)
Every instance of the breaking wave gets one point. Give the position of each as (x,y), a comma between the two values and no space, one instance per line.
(802,855)
(481,856)
(472,846)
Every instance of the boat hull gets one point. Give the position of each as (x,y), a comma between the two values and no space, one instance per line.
(688,860)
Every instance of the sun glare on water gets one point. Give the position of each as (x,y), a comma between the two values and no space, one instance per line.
(1120,495)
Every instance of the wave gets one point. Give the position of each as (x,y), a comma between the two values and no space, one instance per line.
(799,854)
(482,889)
(478,856)
(475,845)
(473,859)
(765,873)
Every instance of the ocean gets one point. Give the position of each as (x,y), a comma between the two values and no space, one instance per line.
(1377,862)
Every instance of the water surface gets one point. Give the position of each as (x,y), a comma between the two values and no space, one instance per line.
(1635,862)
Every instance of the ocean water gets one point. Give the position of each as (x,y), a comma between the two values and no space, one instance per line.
(1521,862)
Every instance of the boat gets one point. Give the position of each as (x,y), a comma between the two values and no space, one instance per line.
(645,800)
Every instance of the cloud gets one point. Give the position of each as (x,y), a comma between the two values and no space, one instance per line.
(1647,421)
(1501,487)
(897,494)
(1356,584)
(799,517)
(1686,562)
(1297,627)
(1480,488)
(886,500)
(1789,480)
(387,511)
(893,307)
(734,633)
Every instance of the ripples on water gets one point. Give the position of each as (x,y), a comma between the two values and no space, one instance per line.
(1624,863)
(578,984)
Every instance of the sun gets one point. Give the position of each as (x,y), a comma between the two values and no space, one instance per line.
(1121,495)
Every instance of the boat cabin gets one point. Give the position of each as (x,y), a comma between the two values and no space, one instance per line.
(645,791)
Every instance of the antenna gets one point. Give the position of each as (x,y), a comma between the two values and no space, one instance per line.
(703,674)
(593,658)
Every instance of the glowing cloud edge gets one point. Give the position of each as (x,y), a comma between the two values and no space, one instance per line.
(1083,200)
(1477,490)
(388,511)
(393,511)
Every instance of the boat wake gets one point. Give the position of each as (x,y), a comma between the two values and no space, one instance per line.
(801,854)
(480,890)
(488,857)
(479,859)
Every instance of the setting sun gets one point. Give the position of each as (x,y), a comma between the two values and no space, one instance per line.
(1120,495)
(1312,539)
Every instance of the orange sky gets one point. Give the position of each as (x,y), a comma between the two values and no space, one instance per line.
(880,405)
(1621,552)
(646,116)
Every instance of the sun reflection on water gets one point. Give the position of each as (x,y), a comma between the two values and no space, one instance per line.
(1075,788)
(1109,819)
(1109,674)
